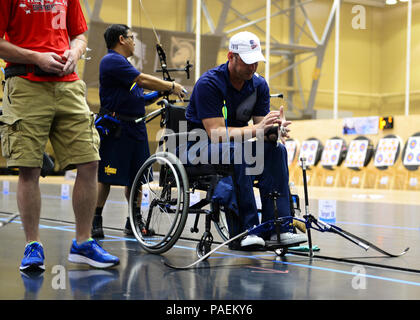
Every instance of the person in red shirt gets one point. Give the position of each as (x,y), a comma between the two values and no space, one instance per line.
(42,41)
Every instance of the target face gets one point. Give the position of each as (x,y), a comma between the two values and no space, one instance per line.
(331,152)
(386,152)
(357,154)
(412,155)
(308,151)
(291,147)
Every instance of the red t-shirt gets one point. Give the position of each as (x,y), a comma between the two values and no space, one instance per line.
(42,26)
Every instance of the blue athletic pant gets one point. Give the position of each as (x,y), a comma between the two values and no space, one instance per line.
(274,177)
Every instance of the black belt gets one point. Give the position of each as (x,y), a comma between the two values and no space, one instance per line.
(122,117)
(24,69)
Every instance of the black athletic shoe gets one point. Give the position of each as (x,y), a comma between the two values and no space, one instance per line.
(97,231)
(145,232)
(127,229)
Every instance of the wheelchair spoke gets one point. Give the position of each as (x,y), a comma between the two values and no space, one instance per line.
(165,212)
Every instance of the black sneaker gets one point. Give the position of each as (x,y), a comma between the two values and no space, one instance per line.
(127,229)
(97,231)
(145,232)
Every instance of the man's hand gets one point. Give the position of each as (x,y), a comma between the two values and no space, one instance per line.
(269,120)
(283,127)
(275,120)
(70,57)
(50,62)
(179,90)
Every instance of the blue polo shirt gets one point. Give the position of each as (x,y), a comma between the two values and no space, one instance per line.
(116,76)
(214,87)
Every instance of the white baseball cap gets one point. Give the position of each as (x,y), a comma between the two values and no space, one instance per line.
(248,46)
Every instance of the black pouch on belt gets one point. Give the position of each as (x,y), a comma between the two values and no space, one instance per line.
(107,125)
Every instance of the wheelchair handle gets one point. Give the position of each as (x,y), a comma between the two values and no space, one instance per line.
(155,113)
(163,101)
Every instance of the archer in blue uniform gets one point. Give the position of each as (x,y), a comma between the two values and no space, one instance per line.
(246,96)
(124,143)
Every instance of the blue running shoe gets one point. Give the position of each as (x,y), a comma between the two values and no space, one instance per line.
(33,259)
(91,253)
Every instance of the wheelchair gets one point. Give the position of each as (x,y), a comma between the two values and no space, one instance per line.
(159,202)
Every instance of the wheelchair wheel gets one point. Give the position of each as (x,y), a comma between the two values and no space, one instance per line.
(220,221)
(281,252)
(158,207)
(204,246)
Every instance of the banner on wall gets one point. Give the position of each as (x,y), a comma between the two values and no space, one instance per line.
(361,125)
(179,47)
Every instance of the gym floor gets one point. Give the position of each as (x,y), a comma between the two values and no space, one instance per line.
(227,275)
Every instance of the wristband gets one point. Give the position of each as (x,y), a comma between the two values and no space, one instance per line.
(152,95)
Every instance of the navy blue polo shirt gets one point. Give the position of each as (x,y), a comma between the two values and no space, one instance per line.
(116,76)
(214,87)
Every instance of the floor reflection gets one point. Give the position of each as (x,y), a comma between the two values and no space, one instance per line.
(32,281)
(92,283)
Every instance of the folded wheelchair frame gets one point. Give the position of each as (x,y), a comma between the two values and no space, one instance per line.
(311,222)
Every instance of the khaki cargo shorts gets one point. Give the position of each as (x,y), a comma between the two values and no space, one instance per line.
(35,111)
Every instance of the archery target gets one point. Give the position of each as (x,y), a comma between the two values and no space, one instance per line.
(386,152)
(412,152)
(309,150)
(291,147)
(331,152)
(356,155)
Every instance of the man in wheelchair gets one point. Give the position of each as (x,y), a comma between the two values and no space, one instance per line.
(237,87)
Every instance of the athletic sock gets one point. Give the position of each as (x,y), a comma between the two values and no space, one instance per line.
(80,243)
(98,211)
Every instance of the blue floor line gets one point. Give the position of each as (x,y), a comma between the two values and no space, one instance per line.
(337,222)
(257,257)
(377,225)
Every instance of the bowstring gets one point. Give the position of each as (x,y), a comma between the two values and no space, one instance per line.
(141,7)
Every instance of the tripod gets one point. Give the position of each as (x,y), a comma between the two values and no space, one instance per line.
(311,222)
